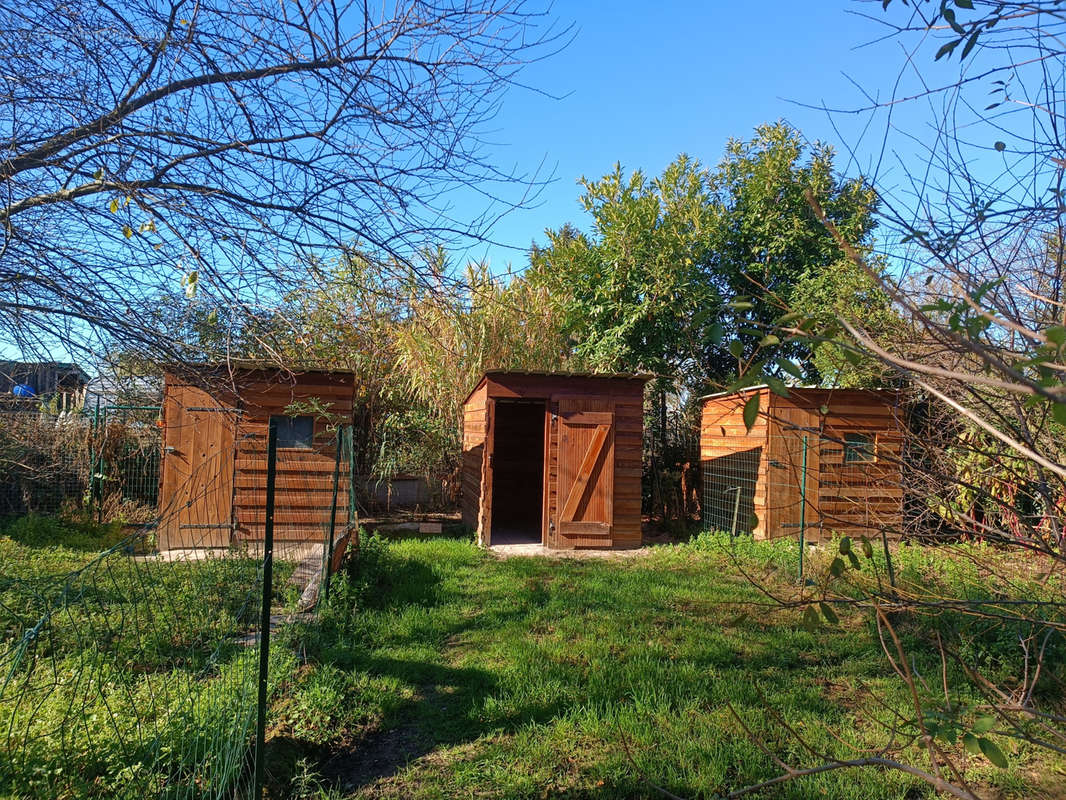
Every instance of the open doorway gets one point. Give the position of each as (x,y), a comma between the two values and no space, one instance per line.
(517,471)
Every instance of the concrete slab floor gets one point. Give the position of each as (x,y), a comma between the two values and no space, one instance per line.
(535,549)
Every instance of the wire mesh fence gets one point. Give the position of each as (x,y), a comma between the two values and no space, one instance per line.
(126,459)
(143,669)
(729,486)
(106,461)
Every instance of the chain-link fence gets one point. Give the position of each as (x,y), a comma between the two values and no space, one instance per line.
(130,672)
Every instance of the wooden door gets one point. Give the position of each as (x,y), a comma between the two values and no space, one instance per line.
(585,501)
(196,500)
(792,481)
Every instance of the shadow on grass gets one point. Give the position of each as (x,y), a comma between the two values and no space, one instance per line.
(581,629)
(443,709)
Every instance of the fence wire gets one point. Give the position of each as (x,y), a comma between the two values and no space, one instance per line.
(787,481)
(128,672)
(107,460)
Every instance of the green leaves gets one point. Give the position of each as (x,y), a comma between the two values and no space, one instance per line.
(1058,413)
(777,386)
(191,282)
(810,621)
(980,746)
(1056,335)
(829,614)
(751,411)
(984,724)
(992,752)
(846,550)
(946,49)
(949,18)
(789,366)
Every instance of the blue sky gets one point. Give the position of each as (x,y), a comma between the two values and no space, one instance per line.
(642,82)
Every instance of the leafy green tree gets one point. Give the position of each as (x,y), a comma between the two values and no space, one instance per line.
(769,254)
(685,274)
(631,292)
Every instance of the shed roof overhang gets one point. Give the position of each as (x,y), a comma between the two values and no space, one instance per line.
(644,377)
(827,389)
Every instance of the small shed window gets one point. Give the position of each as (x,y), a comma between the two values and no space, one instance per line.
(859,448)
(294,431)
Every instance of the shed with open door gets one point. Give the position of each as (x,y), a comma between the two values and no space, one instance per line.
(820,461)
(554,459)
(215,425)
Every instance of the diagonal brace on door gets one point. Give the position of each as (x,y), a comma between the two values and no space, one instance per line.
(584,473)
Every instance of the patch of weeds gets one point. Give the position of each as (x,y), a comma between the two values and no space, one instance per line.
(34,530)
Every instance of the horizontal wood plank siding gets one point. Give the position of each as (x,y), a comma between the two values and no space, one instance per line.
(304,484)
(848,499)
(303,493)
(475,431)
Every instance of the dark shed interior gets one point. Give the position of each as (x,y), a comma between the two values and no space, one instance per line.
(518,463)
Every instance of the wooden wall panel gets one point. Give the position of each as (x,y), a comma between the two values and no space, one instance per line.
(195,501)
(303,492)
(475,431)
(792,475)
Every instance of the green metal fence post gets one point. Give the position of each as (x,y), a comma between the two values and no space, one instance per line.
(803,507)
(98,475)
(264,624)
(351,476)
(328,555)
(92,455)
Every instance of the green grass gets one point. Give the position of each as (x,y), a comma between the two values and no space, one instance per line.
(441,671)
(123,677)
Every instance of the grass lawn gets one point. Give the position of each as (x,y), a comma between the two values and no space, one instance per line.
(443,671)
(120,677)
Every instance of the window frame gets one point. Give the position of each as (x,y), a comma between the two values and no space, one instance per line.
(286,423)
(866,450)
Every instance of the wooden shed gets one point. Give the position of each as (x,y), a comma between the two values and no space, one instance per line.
(213,488)
(825,460)
(554,459)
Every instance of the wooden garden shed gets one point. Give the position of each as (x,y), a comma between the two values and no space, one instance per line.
(215,421)
(554,459)
(822,460)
